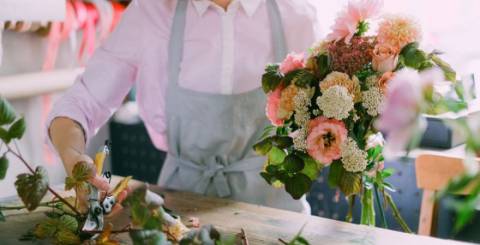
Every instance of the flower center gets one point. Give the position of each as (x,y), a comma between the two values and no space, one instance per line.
(328,139)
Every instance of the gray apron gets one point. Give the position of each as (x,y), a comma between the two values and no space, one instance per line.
(210,136)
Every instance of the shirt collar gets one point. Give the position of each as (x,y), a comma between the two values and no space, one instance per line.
(249,6)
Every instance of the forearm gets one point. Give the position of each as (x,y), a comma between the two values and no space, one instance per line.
(68,138)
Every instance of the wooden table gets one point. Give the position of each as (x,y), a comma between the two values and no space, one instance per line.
(263,225)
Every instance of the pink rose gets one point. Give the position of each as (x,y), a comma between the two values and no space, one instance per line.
(273,104)
(324,139)
(292,62)
(383,81)
(385,58)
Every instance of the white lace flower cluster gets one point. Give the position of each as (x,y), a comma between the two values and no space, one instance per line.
(353,158)
(300,140)
(372,100)
(336,102)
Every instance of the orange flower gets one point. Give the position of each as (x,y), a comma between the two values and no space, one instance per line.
(398,31)
(385,58)
(342,79)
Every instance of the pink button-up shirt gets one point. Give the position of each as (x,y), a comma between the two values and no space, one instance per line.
(224,52)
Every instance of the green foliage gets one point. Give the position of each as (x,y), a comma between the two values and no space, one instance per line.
(298,185)
(3,166)
(368,208)
(293,163)
(263,147)
(312,168)
(335,174)
(271,78)
(450,74)
(367,71)
(61,230)
(7,114)
(305,79)
(412,56)
(362,28)
(282,142)
(146,210)
(276,155)
(17,129)
(32,187)
(2,217)
(82,172)
(298,239)
(350,183)
(323,66)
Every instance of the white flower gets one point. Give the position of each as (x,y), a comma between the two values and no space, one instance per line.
(353,158)
(372,100)
(301,101)
(336,102)
(300,140)
(319,48)
(372,81)
(375,140)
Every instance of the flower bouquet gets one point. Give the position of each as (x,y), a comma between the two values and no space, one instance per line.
(328,109)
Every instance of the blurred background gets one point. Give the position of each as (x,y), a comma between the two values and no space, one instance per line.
(36,66)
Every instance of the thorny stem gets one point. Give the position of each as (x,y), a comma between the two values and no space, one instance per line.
(19,156)
(282,241)
(45,204)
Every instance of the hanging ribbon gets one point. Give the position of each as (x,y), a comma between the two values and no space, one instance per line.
(106,13)
(88,40)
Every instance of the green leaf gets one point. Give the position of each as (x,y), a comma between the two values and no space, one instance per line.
(271,78)
(350,183)
(4,136)
(139,214)
(413,57)
(7,114)
(323,66)
(276,155)
(304,79)
(263,147)
(267,177)
(387,172)
(311,168)
(69,222)
(293,163)
(17,130)
(32,187)
(289,77)
(267,131)
(67,237)
(335,174)
(450,74)
(282,142)
(82,172)
(362,28)
(3,166)
(298,185)
(148,237)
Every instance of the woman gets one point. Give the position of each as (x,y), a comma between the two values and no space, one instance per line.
(197,66)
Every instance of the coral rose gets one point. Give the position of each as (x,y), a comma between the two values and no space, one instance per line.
(324,139)
(280,104)
(292,62)
(385,58)
(273,103)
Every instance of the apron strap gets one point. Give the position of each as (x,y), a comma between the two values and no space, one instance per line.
(175,47)
(214,172)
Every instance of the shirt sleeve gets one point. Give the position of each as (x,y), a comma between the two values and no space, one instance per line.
(108,77)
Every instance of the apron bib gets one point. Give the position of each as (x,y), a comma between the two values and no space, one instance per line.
(210,136)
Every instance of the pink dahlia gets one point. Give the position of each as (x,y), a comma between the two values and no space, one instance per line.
(347,21)
(324,139)
(292,62)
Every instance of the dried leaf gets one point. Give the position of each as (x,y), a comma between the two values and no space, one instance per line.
(121,186)
(104,237)
(81,173)
(67,237)
(32,187)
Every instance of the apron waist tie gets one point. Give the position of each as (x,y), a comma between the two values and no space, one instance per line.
(215,172)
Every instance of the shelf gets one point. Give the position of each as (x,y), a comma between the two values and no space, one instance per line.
(32,10)
(33,84)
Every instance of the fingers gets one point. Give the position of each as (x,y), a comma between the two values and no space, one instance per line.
(122,196)
(100,183)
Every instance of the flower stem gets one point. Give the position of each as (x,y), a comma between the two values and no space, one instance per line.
(396,213)
(380,207)
(19,156)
